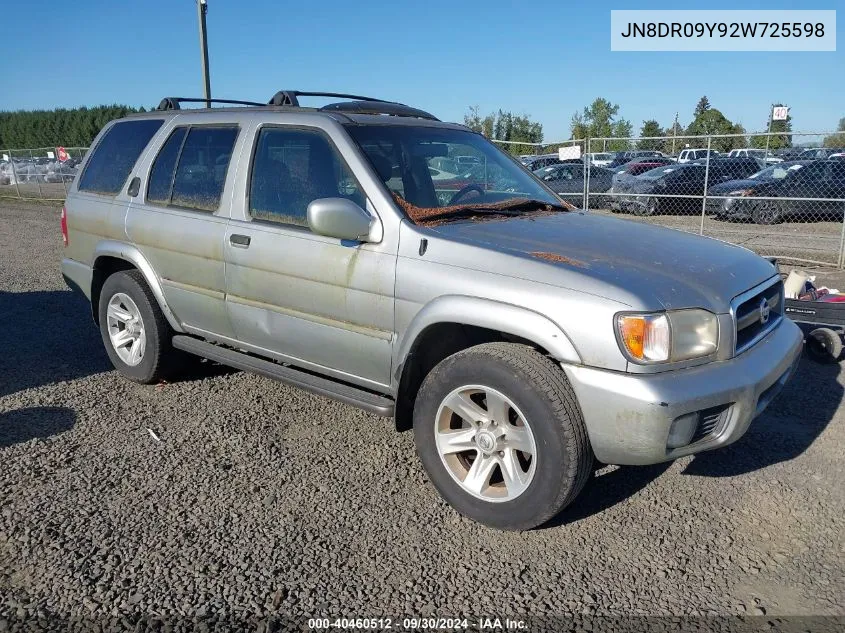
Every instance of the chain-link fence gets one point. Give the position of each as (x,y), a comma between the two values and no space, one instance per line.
(779,194)
(42,173)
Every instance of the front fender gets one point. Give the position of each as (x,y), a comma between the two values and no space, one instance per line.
(493,315)
(131,254)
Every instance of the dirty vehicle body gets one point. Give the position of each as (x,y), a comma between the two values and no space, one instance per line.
(520,339)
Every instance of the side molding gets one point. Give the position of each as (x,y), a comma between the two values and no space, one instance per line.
(129,253)
(493,315)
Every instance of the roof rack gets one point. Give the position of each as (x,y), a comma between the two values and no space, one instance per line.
(289,97)
(358,104)
(172,103)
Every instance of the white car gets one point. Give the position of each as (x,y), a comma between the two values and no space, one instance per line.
(600,159)
(759,154)
(688,155)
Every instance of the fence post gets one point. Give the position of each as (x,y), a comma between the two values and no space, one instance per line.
(586,172)
(841,260)
(14,173)
(36,176)
(706,178)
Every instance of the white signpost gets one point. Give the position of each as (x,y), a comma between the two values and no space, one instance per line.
(780,113)
(566,153)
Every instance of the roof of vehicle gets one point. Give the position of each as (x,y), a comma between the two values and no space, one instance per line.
(356,110)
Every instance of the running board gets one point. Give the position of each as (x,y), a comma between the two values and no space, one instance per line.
(348,394)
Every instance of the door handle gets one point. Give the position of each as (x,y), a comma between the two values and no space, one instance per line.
(239,241)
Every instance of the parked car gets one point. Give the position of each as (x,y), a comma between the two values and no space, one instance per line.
(568,181)
(821,184)
(537,162)
(687,155)
(687,180)
(623,158)
(788,153)
(820,153)
(759,154)
(600,159)
(521,341)
(732,207)
(637,167)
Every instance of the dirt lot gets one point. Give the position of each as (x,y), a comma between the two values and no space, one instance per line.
(260,500)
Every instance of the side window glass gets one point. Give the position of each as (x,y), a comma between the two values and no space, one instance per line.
(160,182)
(202,168)
(116,154)
(290,169)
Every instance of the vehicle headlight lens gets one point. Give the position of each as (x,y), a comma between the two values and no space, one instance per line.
(668,336)
(742,192)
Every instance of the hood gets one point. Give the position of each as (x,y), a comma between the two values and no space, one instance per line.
(736,185)
(615,258)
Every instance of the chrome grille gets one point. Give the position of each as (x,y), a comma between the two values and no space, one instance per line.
(748,310)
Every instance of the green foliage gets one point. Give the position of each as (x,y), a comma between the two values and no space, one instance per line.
(701,107)
(600,120)
(779,141)
(651,128)
(506,126)
(51,128)
(712,121)
(838,139)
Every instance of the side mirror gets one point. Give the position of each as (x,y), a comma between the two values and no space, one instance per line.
(340,218)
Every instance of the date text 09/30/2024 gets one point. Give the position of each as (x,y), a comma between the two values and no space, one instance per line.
(417,624)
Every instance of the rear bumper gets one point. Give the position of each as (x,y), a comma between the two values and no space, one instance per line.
(628,416)
(77,276)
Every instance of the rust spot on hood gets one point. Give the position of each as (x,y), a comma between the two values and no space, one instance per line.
(435,216)
(559,259)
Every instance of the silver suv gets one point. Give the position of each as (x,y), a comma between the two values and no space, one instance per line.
(521,338)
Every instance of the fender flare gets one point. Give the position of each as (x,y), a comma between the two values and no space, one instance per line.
(131,254)
(493,315)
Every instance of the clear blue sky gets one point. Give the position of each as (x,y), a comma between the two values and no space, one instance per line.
(545,59)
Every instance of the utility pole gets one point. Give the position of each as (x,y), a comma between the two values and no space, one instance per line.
(674,133)
(769,132)
(202,9)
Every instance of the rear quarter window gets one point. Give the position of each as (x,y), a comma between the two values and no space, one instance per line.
(116,154)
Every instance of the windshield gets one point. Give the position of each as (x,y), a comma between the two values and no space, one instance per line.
(654,174)
(485,176)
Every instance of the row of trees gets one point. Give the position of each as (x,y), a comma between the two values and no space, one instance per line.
(51,128)
(601,120)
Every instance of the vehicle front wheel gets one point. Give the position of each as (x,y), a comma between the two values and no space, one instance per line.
(766,212)
(649,208)
(134,331)
(499,431)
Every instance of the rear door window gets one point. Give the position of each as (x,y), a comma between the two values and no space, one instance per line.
(116,154)
(200,156)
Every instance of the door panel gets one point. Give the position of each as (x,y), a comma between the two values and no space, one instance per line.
(311,298)
(316,301)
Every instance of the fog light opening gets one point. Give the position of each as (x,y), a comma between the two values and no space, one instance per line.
(682,430)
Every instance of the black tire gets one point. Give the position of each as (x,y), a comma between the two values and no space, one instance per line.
(766,212)
(650,208)
(160,359)
(540,390)
(824,345)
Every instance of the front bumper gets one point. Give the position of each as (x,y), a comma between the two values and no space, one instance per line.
(628,416)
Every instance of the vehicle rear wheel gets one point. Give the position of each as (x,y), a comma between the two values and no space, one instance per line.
(499,431)
(134,331)
(824,345)
(766,212)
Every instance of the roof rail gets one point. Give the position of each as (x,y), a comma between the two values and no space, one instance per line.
(289,97)
(172,103)
(384,107)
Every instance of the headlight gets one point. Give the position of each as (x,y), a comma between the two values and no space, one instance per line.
(667,336)
(741,192)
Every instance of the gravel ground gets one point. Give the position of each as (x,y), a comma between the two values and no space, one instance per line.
(259,500)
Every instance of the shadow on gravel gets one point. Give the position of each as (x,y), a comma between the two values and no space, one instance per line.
(785,430)
(47,337)
(606,490)
(22,425)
